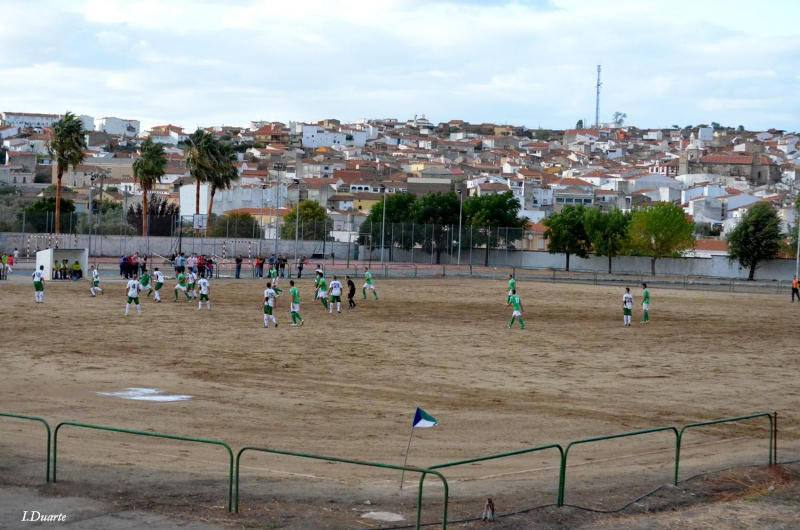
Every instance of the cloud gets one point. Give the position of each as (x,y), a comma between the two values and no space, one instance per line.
(201,62)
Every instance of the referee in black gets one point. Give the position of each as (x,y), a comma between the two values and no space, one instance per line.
(351,292)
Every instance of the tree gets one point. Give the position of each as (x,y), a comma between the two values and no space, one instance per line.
(441,211)
(607,232)
(399,211)
(311,213)
(566,233)
(66,146)
(199,158)
(715,125)
(494,211)
(579,125)
(756,238)
(223,175)
(47,205)
(148,170)
(161,216)
(676,126)
(619,118)
(660,231)
(235,225)
(740,128)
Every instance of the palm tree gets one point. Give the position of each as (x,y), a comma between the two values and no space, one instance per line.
(67,144)
(199,156)
(148,170)
(224,175)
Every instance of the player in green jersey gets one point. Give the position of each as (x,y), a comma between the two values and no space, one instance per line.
(645,304)
(294,292)
(514,301)
(322,290)
(273,275)
(145,283)
(38,285)
(181,287)
(95,282)
(512,285)
(368,285)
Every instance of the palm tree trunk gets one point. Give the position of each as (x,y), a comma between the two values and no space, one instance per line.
(652,266)
(609,264)
(59,174)
(144,211)
(567,264)
(753,271)
(210,205)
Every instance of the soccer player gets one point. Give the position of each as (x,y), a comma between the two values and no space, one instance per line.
(351,292)
(513,300)
(316,283)
(145,283)
(336,295)
(273,275)
(192,279)
(645,304)
(269,306)
(322,290)
(512,285)
(38,285)
(368,285)
(95,282)
(159,283)
(133,295)
(181,286)
(205,288)
(294,292)
(627,307)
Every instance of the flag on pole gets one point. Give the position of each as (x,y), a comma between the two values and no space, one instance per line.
(423,420)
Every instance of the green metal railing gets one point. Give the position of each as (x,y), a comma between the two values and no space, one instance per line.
(504,455)
(717,422)
(153,435)
(563,474)
(424,472)
(47,426)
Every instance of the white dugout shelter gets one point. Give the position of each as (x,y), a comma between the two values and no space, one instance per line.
(48,256)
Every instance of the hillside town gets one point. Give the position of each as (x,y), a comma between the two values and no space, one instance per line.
(714,173)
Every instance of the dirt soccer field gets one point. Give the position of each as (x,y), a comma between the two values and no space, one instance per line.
(347,385)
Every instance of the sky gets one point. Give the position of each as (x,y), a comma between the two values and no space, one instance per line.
(533,63)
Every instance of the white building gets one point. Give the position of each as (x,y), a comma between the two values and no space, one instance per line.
(705,134)
(315,136)
(118,126)
(29,119)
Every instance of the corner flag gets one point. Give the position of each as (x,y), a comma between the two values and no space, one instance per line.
(422,419)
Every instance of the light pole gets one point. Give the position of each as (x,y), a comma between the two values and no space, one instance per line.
(261,218)
(180,219)
(383,220)
(460,209)
(91,207)
(797,259)
(279,166)
(296,227)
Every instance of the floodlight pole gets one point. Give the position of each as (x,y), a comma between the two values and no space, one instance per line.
(460,209)
(383,221)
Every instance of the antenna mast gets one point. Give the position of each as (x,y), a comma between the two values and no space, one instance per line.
(597,102)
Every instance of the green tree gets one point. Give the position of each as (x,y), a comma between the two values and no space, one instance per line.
(223,175)
(399,212)
(607,232)
(756,238)
(235,225)
(38,213)
(619,118)
(161,215)
(312,215)
(148,170)
(660,231)
(740,128)
(579,125)
(566,233)
(67,144)
(494,211)
(440,210)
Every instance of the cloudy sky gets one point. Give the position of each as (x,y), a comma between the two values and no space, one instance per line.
(206,62)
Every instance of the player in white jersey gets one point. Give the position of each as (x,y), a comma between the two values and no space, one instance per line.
(627,307)
(38,285)
(159,283)
(95,288)
(336,295)
(269,305)
(192,279)
(133,295)
(205,288)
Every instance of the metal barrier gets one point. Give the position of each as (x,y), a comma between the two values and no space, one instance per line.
(424,472)
(563,474)
(716,422)
(151,434)
(47,426)
(504,455)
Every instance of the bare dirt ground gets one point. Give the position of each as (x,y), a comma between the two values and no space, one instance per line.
(347,385)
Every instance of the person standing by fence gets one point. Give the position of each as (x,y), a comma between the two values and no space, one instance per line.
(300,267)
(795,289)
(238,266)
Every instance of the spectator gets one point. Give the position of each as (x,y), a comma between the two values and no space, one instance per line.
(300,267)
(122,261)
(259,270)
(143,264)
(64,270)
(11,260)
(181,262)
(201,265)
(16,254)
(238,265)
(210,267)
(77,273)
(56,269)
(282,266)
(191,262)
